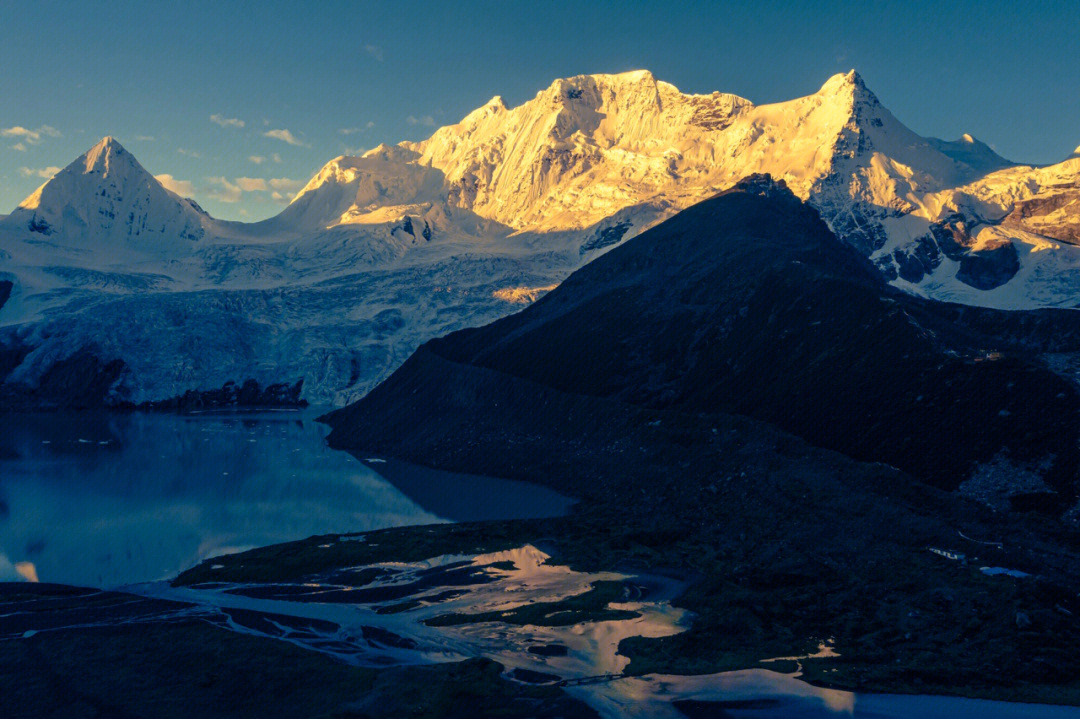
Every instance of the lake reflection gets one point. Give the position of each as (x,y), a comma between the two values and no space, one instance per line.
(110,499)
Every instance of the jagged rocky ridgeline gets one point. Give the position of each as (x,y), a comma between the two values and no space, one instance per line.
(744,304)
(381,252)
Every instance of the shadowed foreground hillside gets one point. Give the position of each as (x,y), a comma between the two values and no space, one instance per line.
(747,304)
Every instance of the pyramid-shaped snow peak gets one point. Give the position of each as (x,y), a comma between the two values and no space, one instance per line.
(106,153)
(106,196)
(848,85)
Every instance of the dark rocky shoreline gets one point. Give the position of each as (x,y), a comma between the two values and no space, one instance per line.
(84,381)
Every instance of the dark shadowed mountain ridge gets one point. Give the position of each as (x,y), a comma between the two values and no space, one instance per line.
(746,303)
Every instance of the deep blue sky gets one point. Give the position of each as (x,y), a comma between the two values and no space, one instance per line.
(1007,72)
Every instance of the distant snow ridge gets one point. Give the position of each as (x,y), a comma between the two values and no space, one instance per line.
(380,252)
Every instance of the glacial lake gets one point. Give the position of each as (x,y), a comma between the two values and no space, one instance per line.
(109,499)
(126,500)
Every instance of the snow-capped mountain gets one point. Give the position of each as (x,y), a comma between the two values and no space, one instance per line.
(110,281)
(378,253)
(619,152)
(589,146)
(104,198)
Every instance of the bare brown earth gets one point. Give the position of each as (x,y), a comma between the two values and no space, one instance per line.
(1054,214)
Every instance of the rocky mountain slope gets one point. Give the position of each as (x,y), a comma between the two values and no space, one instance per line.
(748,304)
(381,252)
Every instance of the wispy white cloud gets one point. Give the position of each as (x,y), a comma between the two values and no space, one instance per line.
(276,158)
(189,153)
(426,120)
(184,188)
(226,121)
(257,159)
(281,189)
(285,184)
(284,136)
(21,147)
(353,130)
(25,571)
(224,190)
(27,136)
(374,51)
(45,173)
(355,151)
(251,184)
